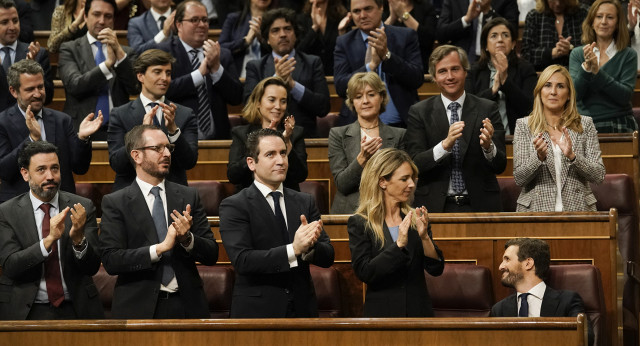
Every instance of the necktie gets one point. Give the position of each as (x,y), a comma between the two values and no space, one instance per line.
(155,116)
(6,62)
(157,213)
(457,182)
(162,19)
(279,216)
(52,275)
(103,96)
(205,122)
(524,305)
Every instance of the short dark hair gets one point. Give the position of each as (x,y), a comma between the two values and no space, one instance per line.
(24,66)
(270,16)
(87,5)
(134,139)
(537,249)
(7,4)
(151,57)
(485,57)
(378,2)
(253,141)
(181,8)
(34,148)
(441,52)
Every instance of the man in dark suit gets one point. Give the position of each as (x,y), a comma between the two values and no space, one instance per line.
(152,27)
(18,50)
(268,239)
(47,258)
(460,22)
(457,141)
(155,264)
(28,121)
(303,73)
(392,52)
(153,70)
(204,76)
(524,267)
(95,69)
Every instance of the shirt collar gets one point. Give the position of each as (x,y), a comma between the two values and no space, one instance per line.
(145,100)
(156,15)
(91,38)
(36,203)
(460,100)
(24,114)
(13,46)
(188,48)
(610,51)
(146,187)
(265,190)
(537,290)
(291,55)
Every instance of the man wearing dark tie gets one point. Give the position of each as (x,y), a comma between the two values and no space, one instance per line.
(272,234)
(153,70)
(48,246)
(152,27)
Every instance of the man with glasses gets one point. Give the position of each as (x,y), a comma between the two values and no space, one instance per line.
(152,233)
(153,71)
(205,78)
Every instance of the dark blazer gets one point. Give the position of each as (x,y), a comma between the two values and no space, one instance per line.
(428,126)
(125,117)
(126,233)
(141,31)
(227,90)
(22,260)
(344,147)
(74,155)
(517,89)
(41,13)
(264,281)
(396,286)
(238,171)
(317,43)
(308,72)
(42,58)
(232,38)
(403,71)
(26,22)
(83,80)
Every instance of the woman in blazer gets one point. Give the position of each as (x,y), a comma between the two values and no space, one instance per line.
(266,107)
(555,150)
(351,146)
(391,244)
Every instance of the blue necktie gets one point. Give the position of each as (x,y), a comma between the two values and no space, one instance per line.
(457,181)
(103,96)
(524,305)
(155,116)
(279,216)
(157,213)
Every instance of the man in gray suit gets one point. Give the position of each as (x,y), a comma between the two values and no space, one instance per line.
(152,27)
(95,69)
(153,70)
(48,242)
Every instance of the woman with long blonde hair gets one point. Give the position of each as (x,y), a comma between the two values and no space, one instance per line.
(391,243)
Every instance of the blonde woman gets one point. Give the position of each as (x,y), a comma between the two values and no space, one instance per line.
(391,244)
(555,150)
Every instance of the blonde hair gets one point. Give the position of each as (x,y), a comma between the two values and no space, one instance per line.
(381,165)
(251,111)
(621,35)
(570,117)
(359,81)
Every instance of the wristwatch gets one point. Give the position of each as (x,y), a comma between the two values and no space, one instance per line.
(387,56)
(405,16)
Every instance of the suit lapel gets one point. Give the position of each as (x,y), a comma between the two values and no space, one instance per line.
(18,121)
(510,307)
(388,141)
(263,210)
(439,116)
(21,51)
(550,303)
(151,23)
(24,212)
(49,125)
(140,212)
(352,140)
(565,165)
(63,202)
(294,210)
(469,116)
(175,201)
(551,163)
(269,66)
(86,53)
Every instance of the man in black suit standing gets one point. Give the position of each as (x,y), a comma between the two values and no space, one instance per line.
(457,141)
(205,79)
(153,70)
(155,263)
(309,94)
(272,240)
(48,246)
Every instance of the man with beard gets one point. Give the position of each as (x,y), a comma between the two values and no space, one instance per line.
(29,121)
(48,246)
(155,264)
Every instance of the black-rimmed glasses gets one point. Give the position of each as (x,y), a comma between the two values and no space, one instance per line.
(159,148)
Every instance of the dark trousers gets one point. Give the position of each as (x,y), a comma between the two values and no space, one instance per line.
(47,311)
(169,306)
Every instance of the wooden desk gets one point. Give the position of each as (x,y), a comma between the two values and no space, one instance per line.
(566,331)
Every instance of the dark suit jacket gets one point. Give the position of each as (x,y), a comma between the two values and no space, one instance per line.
(428,126)
(22,260)
(308,72)
(517,90)
(232,38)
(126,233)
(141,31)
(74,155)
(403,71)
(41,13)
(42,58)
(317,43)
(26,22)
(238,171)
(264,281)
(83,80)
(396,286)
(227,90)
(125,117)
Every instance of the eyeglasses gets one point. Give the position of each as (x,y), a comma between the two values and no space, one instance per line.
(159,148)
(195,20)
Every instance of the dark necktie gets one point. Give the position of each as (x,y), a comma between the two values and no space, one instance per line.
(162,19)
(279,216)
(155,116)
(52,275)
(457,182)
(6,62)
(103,96)
(205,122)
(157,213)
(524,305)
